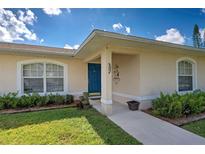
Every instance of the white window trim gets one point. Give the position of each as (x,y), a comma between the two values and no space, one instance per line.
(19,77)
(194,74)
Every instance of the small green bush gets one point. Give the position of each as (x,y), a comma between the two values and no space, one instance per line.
(56,99)
(168,105)
(23,102)
(59,99)
(175,109)
(69,99)
(28,100)
(193,103)
(43,101)
(11,100)
(1,103)
(51,99)
(175,105)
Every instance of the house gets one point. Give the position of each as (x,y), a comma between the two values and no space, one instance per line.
(120,67)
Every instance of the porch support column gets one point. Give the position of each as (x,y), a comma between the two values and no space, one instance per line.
(106,81)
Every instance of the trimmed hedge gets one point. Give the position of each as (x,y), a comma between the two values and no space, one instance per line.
(12,101)
(175,105)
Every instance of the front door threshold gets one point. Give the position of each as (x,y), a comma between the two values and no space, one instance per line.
(95,97)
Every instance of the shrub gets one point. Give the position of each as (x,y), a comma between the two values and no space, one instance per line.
(28,100)
(193,103)
(51,99)
(175,109)
(23,102)
(43,101)
(168,105)
(175,105)
(1,103)
(11,100)
(59,99)
(68,99)
(56,99)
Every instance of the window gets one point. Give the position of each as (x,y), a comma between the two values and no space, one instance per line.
(42,77)
(33,77)
(186,75)
(54,78)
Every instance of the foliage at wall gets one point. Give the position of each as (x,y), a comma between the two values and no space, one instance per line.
(12,101)
(176,105)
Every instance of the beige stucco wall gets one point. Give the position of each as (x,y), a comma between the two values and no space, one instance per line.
(148,72)
(128,74)
(142,72)
(200,72)
(77,72)
(158,72)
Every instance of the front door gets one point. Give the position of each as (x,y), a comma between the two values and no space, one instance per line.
(94,78)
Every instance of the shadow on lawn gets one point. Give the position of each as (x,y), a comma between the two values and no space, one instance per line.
(107,130)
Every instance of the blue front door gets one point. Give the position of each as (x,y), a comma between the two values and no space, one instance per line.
(94,78)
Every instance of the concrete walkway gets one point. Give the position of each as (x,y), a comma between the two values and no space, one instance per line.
(150,130)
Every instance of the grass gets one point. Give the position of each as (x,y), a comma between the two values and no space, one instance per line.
(197,127)
(61,126)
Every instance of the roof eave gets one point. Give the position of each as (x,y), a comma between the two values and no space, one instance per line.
(113,35)
(34,50)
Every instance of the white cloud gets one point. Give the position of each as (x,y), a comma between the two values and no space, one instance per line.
(69,10)
(41,41)
(173,36)
(67,46)
(203,10)
(117,26)
(52,11)
(13,27)
(93,27)
(76,46)
(27,17)
(127,29)
(5,35)
(123,28)
(30,36)
(202,32)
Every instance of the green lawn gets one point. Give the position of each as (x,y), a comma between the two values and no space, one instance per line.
(61,126)
(197,127)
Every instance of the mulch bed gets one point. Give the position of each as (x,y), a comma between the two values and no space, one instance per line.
(178,121)
(32,109)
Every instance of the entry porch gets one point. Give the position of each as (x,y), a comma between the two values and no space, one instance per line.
(114,73)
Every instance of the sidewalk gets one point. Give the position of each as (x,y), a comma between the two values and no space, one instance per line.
(150,130)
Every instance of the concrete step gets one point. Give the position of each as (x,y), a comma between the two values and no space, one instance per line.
(95,94)
(97,97)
